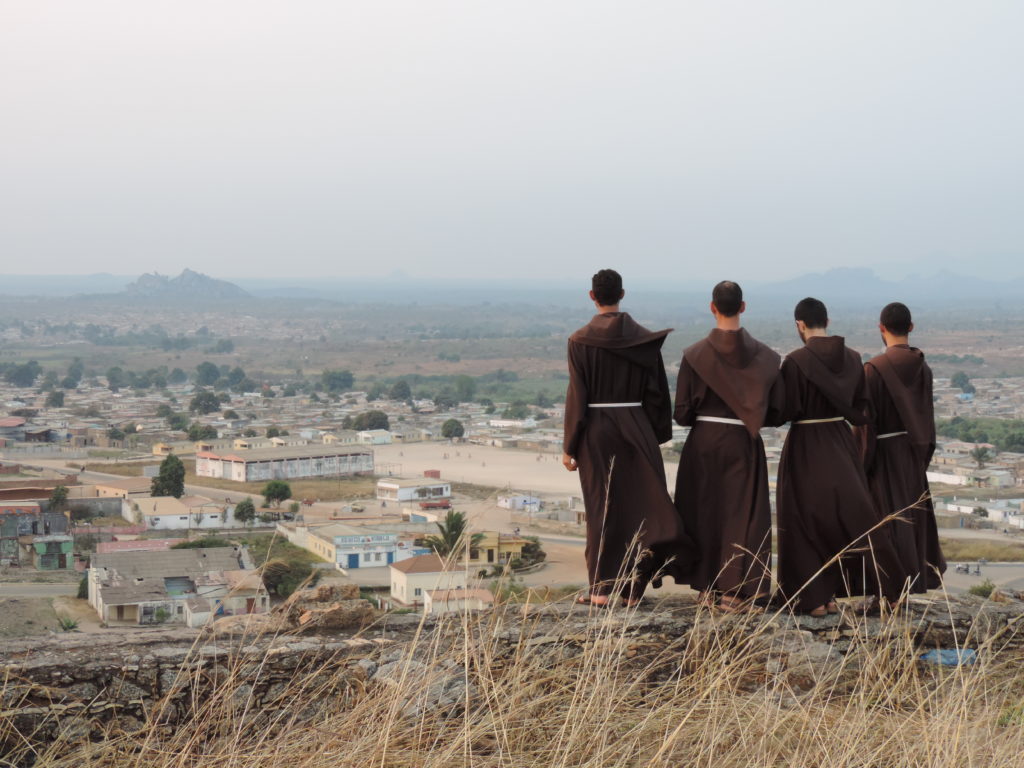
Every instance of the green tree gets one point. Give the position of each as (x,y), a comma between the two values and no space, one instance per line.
(273,432)
(452,428)
(115,434)
(275,492)
(206,373)
(204,402)
(367,420)
(453,533)
(116,378)
(177,376)
(245,511)
(230,414)
(959,380)
(465,388)
(163,411)
(170,479)
(23,375)
(981,456)
(517,410)
(197,432)
(177,421)
(55,399)
(337,381)
(58,498)
(400,390)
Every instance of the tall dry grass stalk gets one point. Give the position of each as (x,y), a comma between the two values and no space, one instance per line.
(560,686)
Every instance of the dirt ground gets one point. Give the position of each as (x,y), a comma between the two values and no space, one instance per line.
(27,616)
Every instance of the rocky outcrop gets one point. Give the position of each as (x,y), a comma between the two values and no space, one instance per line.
(188,286)
(83,687)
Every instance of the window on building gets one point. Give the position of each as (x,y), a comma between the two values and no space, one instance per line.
(417,592)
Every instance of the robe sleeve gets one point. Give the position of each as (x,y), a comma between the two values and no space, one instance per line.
(658,403)
(775,414)
(687,402)
(867,433)
(575,402)
(860,411)
(793,405)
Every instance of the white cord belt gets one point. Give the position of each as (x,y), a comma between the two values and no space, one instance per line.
(721,420)
(820,421)
(890,434)
(615,405)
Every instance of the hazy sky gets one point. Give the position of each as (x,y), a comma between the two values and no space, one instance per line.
(510,139)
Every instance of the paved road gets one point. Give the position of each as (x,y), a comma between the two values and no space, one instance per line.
(28,589)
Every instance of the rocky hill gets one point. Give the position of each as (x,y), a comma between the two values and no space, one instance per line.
(189,285)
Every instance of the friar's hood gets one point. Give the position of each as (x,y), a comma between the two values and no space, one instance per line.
(835,371)
(908,380)
(739,369)
(623,336)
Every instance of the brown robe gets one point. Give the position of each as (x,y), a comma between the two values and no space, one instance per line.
(722,484)
(899,385)
(823,502)
(615,360)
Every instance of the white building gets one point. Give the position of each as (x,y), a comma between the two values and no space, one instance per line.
(350,546)
(411,490)
(519,501)
(166,513)
(411,579)
(374,437)
(284,463)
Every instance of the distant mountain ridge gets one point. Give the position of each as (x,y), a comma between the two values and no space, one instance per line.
(188,285)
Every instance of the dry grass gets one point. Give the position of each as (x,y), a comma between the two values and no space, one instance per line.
(599,696)
(972,550)
(325,489)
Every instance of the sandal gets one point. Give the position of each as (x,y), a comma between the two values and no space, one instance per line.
(589,600)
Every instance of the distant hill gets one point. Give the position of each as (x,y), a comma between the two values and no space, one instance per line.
(189,285)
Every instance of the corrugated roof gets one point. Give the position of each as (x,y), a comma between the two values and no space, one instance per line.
(171,562)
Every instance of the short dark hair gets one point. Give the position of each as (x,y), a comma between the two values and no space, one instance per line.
(812,312)
(607,286)
(727,297)
(896,318)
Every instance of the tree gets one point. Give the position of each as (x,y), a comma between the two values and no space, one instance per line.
(115,434)
(170,479)
(400,390)
(452,534)
(204,402)
(58,498)
(979,512)
(116,378)
(275,492)
(206,373)
(980,455)
(452,428)
(55,399)
(230,414)
(517,410)
(23,375)
(245,511)
(163,411)
(197,432)
(337,381)
(177,376)
(960,380)
(273,432)
(177,421)
(465,388)
(367,420)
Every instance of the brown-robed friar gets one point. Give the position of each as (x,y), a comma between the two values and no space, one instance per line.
(823,503)
(898,444)
(728,388)
(617,411)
